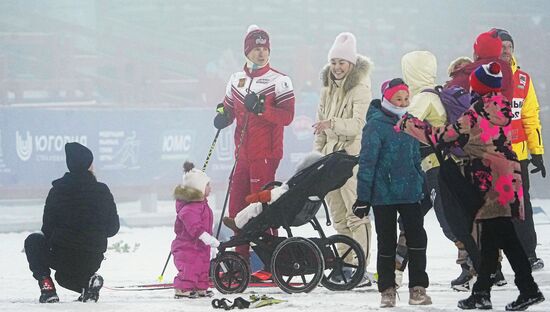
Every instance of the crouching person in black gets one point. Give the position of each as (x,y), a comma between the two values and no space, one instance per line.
(79,215)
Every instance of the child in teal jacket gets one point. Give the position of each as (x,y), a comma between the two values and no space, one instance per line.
(390,179)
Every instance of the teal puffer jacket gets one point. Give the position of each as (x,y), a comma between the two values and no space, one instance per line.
(389,162)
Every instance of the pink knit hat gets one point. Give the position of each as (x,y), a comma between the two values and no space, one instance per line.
(344,47)
(390,87)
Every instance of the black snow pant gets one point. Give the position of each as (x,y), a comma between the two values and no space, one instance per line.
(526,229)
(73,268)
(432,199)
(498,234)
(385,218)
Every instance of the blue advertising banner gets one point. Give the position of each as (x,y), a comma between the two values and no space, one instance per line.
(132,147)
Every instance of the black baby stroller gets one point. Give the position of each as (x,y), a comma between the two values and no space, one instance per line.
(297,264)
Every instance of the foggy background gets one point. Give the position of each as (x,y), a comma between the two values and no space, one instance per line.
(138,81)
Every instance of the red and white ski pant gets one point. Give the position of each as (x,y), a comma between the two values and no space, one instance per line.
(249,177)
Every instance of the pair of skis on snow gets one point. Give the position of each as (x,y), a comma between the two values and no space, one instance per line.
(161,286)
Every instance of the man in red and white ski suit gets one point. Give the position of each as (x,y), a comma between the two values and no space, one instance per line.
(261,118)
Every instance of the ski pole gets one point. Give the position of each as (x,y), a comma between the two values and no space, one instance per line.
(161,276)
(211,150)
(225,200)
(231,176)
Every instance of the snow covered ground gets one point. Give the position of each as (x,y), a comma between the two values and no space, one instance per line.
(19,291)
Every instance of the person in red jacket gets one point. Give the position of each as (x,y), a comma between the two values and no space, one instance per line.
(487,49)
(261,100)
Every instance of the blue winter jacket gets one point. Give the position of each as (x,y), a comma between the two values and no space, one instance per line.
(389,162)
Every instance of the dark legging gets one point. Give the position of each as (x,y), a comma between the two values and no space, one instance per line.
(385,218)
(498,234)
(73,267)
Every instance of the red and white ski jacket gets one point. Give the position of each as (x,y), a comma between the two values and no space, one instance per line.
(263,137)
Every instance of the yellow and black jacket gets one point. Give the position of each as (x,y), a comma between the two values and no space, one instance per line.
(526,127)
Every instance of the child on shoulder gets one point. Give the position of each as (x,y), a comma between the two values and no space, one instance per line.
(193,243)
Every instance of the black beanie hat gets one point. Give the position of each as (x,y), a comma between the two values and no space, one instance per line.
(79,158)
(504,35)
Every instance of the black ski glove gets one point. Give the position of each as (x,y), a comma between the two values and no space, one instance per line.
(254,103)
(361,208)
(221,120)
(537,161)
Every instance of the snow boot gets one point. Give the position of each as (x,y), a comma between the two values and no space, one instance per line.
(462,282)
(47,290)
(365,281)
(498,279)
(337,277)
(536,264)
(205,293)
(418,296)
(388,298)
(190,294)
(91,292)
(524,301)
(261,276)
(401,253)
(477,300)
(398,278)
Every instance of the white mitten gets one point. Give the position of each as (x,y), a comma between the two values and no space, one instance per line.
(209,240)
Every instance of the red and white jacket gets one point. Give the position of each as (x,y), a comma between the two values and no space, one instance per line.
(263,137)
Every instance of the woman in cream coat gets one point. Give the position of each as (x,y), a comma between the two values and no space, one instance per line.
(345,98)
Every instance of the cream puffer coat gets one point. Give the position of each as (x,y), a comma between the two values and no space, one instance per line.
(345,104)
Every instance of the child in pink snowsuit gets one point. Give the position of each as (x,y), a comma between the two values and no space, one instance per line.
(193,243)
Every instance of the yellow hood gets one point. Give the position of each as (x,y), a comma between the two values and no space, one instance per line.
(419,70)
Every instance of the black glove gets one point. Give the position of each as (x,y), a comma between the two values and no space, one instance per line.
(254,104)
(220,109)
(361,208)
(221,120)
(537,161)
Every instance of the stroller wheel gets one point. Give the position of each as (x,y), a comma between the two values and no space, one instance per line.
(230,273)
(297,265)
(344,263)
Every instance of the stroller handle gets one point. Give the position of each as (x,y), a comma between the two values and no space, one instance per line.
(271,184)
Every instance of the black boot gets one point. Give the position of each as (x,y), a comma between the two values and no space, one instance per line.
(524,301)
(47,290)
(536,264)
(91,292)
(477,300)
(462,282)
(499,279)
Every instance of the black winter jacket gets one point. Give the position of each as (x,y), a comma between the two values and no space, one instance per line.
(80,213)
